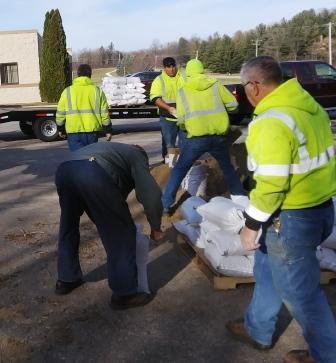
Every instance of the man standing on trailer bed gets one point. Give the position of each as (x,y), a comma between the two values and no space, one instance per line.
(82,111)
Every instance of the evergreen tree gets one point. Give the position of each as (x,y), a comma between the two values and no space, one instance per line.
(54,64)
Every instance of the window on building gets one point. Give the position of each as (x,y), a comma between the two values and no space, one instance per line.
(9,73)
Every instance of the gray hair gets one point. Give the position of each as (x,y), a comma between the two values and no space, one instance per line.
(265,68)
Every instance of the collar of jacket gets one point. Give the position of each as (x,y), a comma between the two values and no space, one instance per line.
(82,81)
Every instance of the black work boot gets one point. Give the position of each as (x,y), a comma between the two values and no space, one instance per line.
(121,302)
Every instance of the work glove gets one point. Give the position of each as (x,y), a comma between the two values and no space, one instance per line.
(108,137)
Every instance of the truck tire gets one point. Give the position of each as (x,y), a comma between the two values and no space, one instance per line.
(45,129)
(27,128)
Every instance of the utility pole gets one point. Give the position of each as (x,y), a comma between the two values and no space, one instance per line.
(330,52)
(256,43)
(196,56)
(155,62)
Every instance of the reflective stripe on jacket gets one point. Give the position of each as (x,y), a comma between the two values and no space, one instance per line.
(203,112)
(82,107)
(291,153)
(166,87)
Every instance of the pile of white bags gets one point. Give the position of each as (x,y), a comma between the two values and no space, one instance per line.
(215,226)
(195,182)
(123,91)
(326,258)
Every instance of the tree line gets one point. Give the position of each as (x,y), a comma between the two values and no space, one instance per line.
(305,36)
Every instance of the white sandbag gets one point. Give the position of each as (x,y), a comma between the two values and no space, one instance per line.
(223,213)
(205,228)
(195,181)
(191,232)
(130,90)
(227,244)
(142,249)
(241,200)
(229,265)
(326,258)
(330,242)
(189,210)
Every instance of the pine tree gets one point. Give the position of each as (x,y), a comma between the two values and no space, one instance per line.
(54,63)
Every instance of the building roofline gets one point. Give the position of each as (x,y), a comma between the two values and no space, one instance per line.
(2,32)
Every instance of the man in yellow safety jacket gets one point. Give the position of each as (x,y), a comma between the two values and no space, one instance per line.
(82,111)
(291,153)
(163,94)
(202,105)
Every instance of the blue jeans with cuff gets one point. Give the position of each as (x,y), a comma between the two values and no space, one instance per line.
(289,273)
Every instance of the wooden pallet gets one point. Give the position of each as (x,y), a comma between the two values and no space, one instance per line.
(327,276)
(218,281)
(222,282)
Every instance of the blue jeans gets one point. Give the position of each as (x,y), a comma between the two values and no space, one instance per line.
(289,273)
(169,131)
(191,150)
(81,139)
(83,185)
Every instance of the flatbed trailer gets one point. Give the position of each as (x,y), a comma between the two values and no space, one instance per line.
(40,122)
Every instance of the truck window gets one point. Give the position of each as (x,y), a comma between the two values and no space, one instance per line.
(287,71)
(304,72)
(325,71)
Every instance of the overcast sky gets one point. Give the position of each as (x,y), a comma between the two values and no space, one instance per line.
(136,24)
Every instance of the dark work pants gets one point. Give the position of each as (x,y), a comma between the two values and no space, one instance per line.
(83,185)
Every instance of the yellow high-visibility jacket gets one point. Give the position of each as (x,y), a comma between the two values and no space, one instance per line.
(202,105)
(82,107)
(166,87)
(291,152)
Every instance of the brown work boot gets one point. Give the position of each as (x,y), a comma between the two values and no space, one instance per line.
(298,356)
(238,331)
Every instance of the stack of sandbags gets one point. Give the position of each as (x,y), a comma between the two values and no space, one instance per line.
(123,91)
(222,245)
(215,226)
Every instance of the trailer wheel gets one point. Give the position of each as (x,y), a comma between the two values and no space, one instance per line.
(45,129)
(26,128)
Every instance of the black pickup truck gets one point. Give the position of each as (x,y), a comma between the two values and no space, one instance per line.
(318,78)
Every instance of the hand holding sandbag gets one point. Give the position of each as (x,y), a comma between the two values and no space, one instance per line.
(249,239)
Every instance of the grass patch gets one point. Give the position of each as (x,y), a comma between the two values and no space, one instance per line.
(99,73)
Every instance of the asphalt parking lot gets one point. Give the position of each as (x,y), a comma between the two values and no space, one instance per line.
(184,323)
